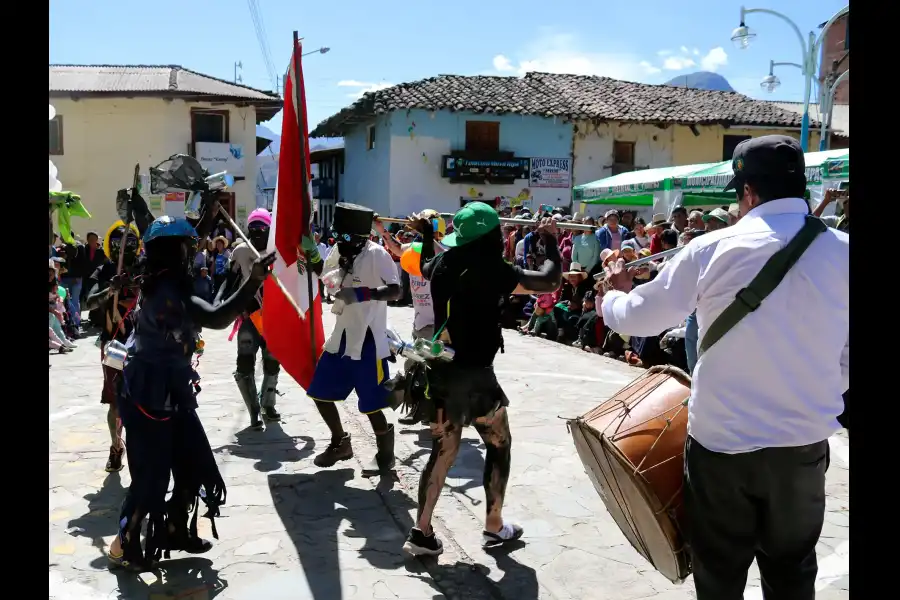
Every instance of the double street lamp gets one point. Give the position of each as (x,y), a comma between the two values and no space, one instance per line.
(810,47)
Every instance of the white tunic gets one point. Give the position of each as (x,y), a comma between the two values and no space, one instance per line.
(372,268)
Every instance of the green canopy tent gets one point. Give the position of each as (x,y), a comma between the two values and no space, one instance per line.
(648,189)
(706,187)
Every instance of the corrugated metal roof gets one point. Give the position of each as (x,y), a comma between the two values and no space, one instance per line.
(163,79)
(840,116)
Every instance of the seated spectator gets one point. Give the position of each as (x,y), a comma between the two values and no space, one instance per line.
(58,339)
(541,322)
(587,326)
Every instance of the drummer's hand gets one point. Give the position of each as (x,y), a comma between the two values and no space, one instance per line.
(618,277)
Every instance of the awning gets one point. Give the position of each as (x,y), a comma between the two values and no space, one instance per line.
(635,188)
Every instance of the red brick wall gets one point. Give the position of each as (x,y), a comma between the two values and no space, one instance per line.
(832,50)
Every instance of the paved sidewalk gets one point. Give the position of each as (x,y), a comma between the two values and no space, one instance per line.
(292,531)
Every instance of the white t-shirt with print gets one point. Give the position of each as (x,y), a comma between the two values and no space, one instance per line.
(372,268)
(420,288)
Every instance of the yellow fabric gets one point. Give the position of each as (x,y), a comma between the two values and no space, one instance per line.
(111,230)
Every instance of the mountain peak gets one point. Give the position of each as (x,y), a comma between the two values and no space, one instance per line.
(702,80)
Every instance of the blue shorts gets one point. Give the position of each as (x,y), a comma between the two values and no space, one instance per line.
(337,375)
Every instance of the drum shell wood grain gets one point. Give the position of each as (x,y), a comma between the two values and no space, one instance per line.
(632,447)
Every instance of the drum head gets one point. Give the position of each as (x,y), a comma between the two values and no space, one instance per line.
(633,505)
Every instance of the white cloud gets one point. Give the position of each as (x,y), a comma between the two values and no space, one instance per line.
(664,53)
(684,50)
(502,64)
(678,63)
(364,87)
(696,52)
(554,52)
(650,69)
(714,59)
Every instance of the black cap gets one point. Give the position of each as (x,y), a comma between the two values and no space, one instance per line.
(769,155)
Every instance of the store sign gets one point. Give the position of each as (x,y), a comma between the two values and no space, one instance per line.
(459,169)
(215,157)
(551,172)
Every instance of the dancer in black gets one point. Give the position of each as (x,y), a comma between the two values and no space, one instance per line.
(158,399)
(470,283)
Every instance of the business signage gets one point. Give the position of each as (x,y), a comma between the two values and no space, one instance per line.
(551,172)
(460,169)
(215,157)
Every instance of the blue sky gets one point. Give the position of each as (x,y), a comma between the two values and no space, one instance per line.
(377,44)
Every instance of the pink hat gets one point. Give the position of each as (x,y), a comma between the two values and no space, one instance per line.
(261,215)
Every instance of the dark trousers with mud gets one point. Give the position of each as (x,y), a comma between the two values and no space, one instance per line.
(769,505)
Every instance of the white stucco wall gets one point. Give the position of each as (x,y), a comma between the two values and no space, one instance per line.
(104,138)
(653,147)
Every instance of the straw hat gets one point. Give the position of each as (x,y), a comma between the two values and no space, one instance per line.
(222,239)
(575,269)
(659,220)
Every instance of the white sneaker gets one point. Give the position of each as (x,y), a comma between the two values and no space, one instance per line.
(509,533)
(70,344)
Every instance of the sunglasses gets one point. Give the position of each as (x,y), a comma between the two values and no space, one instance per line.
(346,237)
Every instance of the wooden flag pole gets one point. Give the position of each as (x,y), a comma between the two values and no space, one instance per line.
(255,252)
(300,111)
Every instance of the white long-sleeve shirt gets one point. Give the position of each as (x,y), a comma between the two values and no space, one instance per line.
(777,377)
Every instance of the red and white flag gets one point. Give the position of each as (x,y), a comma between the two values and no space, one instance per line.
(287,334)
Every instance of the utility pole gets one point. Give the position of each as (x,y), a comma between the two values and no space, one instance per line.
(238,69)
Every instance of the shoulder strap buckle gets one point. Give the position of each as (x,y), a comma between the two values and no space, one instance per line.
(749,298)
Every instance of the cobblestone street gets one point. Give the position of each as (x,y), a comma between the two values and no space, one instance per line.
(291,531)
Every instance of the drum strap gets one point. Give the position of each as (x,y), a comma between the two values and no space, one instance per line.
(770,276)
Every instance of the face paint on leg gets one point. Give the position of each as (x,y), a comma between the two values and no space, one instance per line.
(497,461)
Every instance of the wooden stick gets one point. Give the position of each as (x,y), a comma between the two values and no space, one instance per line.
(135,181)
(240,234)
(508,221)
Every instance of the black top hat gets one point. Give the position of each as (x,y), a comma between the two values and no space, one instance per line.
(352,219)
(769,156)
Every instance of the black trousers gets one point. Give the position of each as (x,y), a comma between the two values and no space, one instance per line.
(769,505)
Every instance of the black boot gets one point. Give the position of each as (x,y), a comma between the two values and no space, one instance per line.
(247,385)
(179,536)
(384,459)
(267,397)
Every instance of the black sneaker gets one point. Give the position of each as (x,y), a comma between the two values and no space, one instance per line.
(419,544)
(255,422)
(114,464)
(270,414)
(335,452)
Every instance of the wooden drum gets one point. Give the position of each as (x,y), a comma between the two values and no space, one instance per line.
(632,447)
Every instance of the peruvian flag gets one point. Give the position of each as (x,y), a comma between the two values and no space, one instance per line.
(287,333)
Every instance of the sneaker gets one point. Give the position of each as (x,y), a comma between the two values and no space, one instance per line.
(114,464)
(64,350)
(270,414)
(509,533)
(255,422)
(335,452)
(419,544)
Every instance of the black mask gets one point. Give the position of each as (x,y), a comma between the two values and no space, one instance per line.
(259,235)
(349,247)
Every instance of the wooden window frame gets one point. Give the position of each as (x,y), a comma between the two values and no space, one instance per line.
(59,150)
(370,137)
(485,141)
(725,136)
(225,114)
(623,166)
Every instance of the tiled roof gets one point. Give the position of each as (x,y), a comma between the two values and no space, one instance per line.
(572,97)
(148,79)
(840,115)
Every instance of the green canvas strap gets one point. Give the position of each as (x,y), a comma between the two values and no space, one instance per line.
(773,272)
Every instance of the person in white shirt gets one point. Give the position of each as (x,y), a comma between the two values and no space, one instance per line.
(766,397)
(362,277)
(423,308)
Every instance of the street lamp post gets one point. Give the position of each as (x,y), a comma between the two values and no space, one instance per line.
(829,101)
(322,50)
(771,82)
(742,36)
